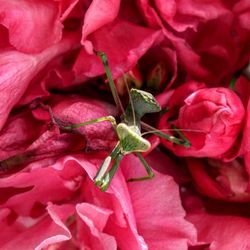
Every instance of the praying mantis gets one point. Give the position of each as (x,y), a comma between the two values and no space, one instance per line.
(128,131)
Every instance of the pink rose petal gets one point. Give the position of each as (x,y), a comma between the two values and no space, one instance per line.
(67,7)
(245,145)
(18,133)
(224,181)
(76,109)
(4,41)
(39,186)
(94,220)
(98,14)
(36,22)
(122,56)
(18,69)
(45,231)
(221,231)
(242,9)
(182,15)
(122,223)
(49,144)
(158,210)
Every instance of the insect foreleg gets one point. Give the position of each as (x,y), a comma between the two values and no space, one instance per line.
(146,166)
(105,164)
(109,175)
(103,178)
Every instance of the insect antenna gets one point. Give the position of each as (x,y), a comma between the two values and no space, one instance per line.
(180,141)
(171,129)
(131,102)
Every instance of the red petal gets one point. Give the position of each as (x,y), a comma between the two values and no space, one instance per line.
(122,56)
(37,22)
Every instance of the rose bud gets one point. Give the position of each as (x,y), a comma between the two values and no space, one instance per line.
(209,118)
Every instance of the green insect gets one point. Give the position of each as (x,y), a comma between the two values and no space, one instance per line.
(128,131)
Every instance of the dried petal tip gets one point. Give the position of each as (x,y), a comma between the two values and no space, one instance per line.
(157,77)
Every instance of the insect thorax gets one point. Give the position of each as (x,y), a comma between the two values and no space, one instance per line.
(131,140)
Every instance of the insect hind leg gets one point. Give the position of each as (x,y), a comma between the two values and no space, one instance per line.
(108,118)
(150,173)
(68,126)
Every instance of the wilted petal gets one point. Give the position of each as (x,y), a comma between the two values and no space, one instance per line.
(76,109)
(48,146)
(18,134)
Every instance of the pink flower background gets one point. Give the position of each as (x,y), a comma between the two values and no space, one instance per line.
(186,53)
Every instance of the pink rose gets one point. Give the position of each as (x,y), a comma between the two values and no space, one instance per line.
(210,118)
(228,179)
